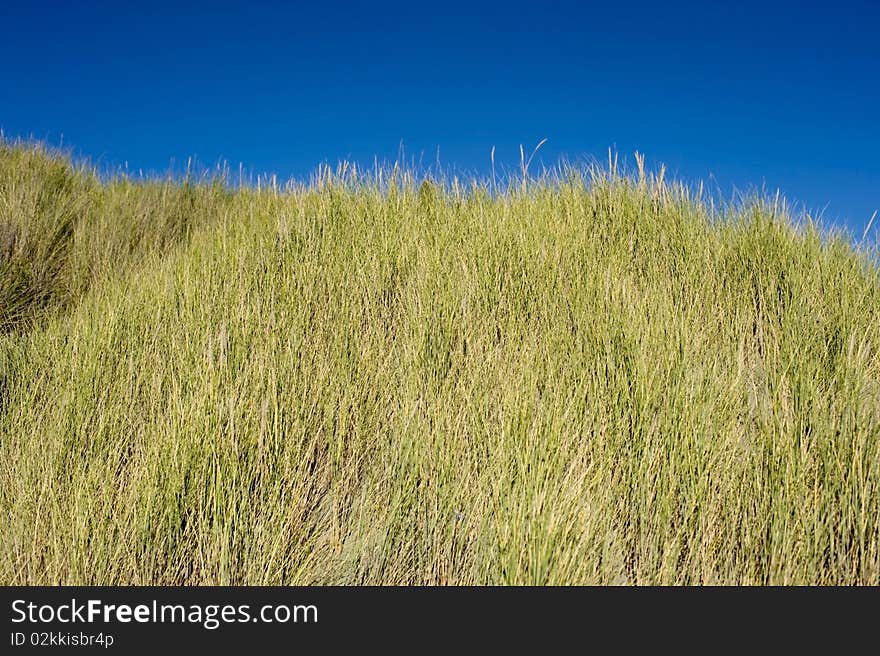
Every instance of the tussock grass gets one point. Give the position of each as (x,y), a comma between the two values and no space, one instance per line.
(598,378)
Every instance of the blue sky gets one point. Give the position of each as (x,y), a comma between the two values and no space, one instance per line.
(743,94)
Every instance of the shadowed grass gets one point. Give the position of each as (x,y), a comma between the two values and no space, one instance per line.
(591,379)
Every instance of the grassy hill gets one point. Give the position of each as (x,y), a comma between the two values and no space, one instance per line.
(594,379)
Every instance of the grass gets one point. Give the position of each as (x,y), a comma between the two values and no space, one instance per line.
(595,378)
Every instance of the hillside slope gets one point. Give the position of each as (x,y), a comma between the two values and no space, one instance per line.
(597,380)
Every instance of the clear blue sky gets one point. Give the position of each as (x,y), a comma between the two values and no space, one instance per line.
(752,93)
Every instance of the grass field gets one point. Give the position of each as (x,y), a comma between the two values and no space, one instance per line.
(594,378)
